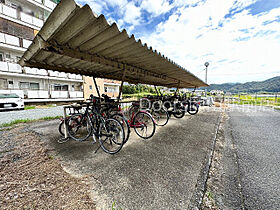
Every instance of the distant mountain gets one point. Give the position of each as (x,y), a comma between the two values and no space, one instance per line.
(270,85)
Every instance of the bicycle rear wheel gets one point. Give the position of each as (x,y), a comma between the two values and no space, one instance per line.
(161,117)
(111,137)
(144,125)
(79,127)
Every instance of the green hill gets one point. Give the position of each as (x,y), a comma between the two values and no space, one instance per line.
(270,85)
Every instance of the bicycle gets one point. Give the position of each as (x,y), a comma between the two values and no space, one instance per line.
(109,132)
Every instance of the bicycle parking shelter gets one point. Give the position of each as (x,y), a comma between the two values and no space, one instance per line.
(75,40)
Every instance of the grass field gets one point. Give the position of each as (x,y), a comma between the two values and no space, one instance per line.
(253,100)
(27,121)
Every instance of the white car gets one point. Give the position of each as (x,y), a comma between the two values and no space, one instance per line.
(10,101)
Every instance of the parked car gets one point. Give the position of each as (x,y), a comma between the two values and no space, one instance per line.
(10,101)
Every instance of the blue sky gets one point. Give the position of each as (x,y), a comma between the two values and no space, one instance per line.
(239,38)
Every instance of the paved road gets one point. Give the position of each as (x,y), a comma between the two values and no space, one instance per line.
(252,159)
(6,117)
(160,173)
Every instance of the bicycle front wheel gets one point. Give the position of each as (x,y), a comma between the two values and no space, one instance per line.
(79,127)
(111,137)
(124,122)
(144,125)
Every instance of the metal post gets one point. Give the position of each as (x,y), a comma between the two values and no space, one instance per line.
(206,64)
(156,90)
(64,122)
(96,87)
(206,82)
(123,77)
(120,92)
(160,92)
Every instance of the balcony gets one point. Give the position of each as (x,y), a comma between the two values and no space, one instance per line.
(75,76)
(14,41)
(59,94)
(49,4)
(26,18)
(37,94)
(36,71)
(76,94)
(10,67)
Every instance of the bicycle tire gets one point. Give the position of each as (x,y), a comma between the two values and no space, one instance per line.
(161,114)
(193,109)
(140,122)
(124,123)
(60,129)
(180,114)
(82,127)
(105,145)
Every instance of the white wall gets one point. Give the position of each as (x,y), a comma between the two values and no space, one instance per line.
(37,94)
(12,40)
(9,11)
(4,66)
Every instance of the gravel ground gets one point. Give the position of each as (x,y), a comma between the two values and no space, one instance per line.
(6,117)
(30,178)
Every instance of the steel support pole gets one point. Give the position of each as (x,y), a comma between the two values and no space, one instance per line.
(206,81)
(96,87)
(156,90)
(123,77)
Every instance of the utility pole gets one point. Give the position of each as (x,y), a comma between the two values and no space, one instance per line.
(206,64)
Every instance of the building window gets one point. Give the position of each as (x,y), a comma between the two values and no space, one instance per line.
(90,87)
(1,56)
(60,87)
(8,56)
(24,85)
(28,86)
(34,86)
(11,82)
(109,89)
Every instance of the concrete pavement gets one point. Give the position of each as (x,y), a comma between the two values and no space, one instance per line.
(251,160)
(160,173)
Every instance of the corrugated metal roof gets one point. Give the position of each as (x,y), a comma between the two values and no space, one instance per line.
(75,40)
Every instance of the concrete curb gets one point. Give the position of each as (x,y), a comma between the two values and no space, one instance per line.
(200,188)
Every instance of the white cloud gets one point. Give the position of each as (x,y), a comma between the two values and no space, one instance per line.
(156,7)
(132,14)
(244,44)
(97,6)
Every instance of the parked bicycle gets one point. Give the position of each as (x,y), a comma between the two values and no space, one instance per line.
(108,131)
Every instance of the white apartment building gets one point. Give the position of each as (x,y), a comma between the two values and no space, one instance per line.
(20,20)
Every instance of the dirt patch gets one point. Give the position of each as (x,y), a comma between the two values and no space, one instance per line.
(31,178)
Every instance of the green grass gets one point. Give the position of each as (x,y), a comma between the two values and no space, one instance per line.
(138,94)
(29,107)
(252,100)
(27,121)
